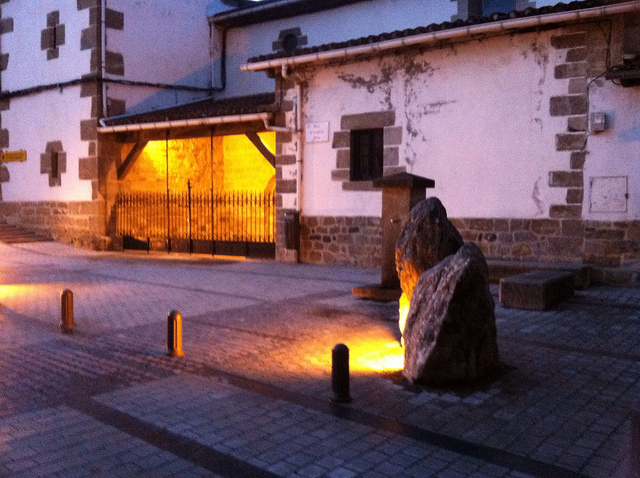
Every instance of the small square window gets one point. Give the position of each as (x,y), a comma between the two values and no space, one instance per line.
(367,148)
(53,36)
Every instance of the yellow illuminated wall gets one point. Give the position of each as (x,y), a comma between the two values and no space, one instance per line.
(244,167)
(235,165)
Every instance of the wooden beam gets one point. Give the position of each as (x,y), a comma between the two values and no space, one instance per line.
(260,146)
(137,149)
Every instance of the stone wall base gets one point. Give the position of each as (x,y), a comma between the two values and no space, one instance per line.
(597,243)
(72,221)
(351,241)
(287,255)
(610,249)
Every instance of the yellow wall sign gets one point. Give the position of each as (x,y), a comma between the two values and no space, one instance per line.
(11,156)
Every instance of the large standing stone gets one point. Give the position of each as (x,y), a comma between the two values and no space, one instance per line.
(450,333)
(426,238)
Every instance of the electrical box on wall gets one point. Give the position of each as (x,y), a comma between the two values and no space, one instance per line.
(609,193)
(597,122)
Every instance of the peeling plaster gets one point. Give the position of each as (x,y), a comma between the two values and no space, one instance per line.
(371,83)
(536,197)
(415,78)
(382,83)
(538,121)
(435,107)
(541,58)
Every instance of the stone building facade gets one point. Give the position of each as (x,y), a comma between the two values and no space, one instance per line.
(64,66)
(552,186)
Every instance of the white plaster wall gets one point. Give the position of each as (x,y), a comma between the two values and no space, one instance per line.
(616,151)
(57,119)
(140,99)
(163,41)
(28,65)
(480,115)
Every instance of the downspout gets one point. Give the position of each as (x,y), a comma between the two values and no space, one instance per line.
(223,58)
(286,74)
(103,55)
(103,92)
(242,118)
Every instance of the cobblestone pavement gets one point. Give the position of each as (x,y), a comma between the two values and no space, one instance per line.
(251,396)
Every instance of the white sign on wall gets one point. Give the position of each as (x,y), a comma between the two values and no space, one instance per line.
(316,132)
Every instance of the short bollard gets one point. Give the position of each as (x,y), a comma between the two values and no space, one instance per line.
(340,374)
(66,315)
(174,334)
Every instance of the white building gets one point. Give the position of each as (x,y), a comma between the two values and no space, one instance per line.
(526,118)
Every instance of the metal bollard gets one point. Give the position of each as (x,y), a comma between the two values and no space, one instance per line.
(340,374)
(66,315)
(174,334)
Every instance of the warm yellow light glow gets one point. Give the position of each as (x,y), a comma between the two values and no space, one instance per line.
(403,312)
(15,290)
(245,169)
(223,162)
(157,151)
(368,353)
(387,357)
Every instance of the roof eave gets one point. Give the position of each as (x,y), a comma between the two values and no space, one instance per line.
(213,120)
(502,26)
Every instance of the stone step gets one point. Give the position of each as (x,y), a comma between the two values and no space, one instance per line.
(10,234)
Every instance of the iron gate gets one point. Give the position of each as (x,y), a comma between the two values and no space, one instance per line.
(216,222)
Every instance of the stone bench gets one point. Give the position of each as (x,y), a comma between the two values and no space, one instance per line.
(500,268)
(536,290)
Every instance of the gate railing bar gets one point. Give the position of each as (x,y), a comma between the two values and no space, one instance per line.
(244,216)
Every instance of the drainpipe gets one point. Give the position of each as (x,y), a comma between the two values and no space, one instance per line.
(286,74)
(103,54)
(223,57)
(242,118)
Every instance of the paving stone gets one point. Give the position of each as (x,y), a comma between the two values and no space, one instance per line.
(570,374)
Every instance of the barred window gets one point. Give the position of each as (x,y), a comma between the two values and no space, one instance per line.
(367,148)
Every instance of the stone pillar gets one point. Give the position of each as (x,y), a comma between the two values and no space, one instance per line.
(400,193)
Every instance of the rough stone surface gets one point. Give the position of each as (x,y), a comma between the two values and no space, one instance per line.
(426,238)
(450,333)
(351,241)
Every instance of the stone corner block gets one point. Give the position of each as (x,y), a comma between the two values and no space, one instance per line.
(88,130)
